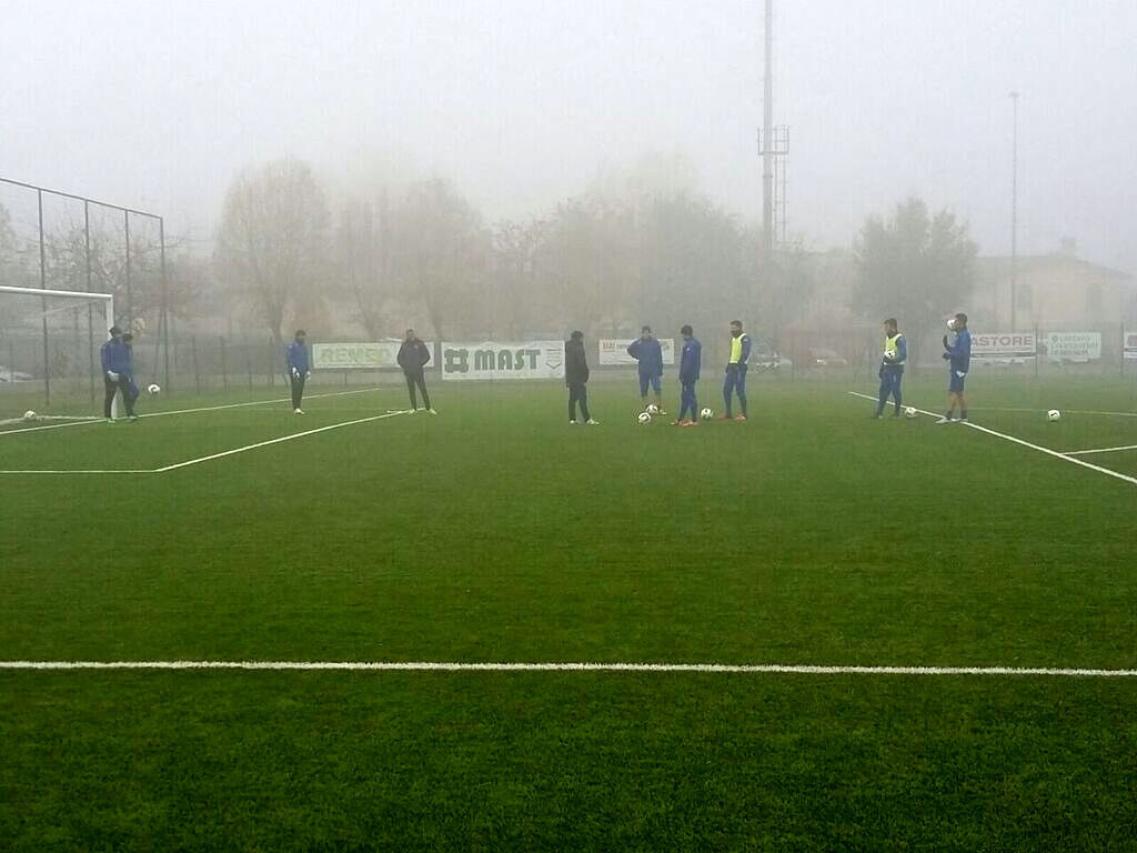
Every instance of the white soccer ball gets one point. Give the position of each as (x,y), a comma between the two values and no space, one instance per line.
(951,324)
(644,418)
(1053,415)
(706,414)
(29,415)
(154,388)
(652,409)
(910,412)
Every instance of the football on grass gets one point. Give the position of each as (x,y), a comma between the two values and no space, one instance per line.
(706,414)
(29,415)
(1053,415)
(154,388)
(652,409)
(910,412)
(644,418)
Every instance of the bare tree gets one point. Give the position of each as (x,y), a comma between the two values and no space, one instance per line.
(441,252)
(271,248)
(363,245)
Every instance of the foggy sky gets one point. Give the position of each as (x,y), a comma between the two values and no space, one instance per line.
(522,102)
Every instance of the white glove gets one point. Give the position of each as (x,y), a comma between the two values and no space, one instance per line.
(295,373)
(112,376)
(308,375)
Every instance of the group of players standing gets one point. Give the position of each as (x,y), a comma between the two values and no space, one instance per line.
(118,371)
(648,353)
(957,352)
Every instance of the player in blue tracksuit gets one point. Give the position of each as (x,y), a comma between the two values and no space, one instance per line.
(736,370)
(299,368)
(690,362)
(118,373)
(958,355)
(891,368)
(649,355)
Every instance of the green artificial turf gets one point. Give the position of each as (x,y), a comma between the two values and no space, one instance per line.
(496,532)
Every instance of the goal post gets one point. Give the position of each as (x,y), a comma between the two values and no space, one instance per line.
(51,339)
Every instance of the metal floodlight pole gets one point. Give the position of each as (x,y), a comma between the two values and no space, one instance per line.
(1014,206)
(767,136)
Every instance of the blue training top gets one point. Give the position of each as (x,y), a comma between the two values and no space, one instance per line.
(960,352)
(649,354)
(116,357)
(298,357)
(691,361)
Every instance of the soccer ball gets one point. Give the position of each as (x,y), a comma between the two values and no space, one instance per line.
(706,414)
(951,324)
(1053,415)
(29,415)
(652,409)
(154,388)
(910,412)
(644,418)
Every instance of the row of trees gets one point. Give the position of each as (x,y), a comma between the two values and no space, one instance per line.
(644,246)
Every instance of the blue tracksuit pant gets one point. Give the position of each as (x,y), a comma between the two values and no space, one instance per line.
(735,384)
(687,402)
(889,387)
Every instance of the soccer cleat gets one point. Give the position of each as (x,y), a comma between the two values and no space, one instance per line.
(297,411)
(572,422)
(688,423)
(741,418)
(432,411)
(945,420)
(132,418)
(963,420)
(108,420)
(591,422)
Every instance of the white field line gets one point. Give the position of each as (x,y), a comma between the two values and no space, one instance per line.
(88,421)
(212,456)
(1064,411)
(449,666)
(1058,455)
(1101,450)
(271,441)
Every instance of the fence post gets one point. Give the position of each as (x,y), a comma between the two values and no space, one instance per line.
(224,364)
(249,365)
(1036,352)
(196,372)
(271,365)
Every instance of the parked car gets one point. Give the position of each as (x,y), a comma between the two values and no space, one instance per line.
(768,360)
(821,357)
(7,374)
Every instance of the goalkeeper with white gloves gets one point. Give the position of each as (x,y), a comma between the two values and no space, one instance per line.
(117,361)
(299,368)
(891,368)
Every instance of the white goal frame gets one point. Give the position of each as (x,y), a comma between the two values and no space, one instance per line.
(106,300)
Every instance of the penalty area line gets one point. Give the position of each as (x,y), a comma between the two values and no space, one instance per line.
(87,421)
(1055,453)
(454,666)
(1101,450)
(272,441)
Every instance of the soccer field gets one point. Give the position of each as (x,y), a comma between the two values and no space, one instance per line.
(811,536)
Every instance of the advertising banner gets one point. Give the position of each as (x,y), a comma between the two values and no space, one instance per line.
(615,352)
(1003,345)
(377,355)
(1130,344)
(1073,346)
(510,360)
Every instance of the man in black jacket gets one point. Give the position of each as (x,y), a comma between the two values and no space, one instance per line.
(413,357)
(576,378)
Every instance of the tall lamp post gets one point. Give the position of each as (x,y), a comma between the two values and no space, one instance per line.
(1014,206)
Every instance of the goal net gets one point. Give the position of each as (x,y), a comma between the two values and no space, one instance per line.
(49,354)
